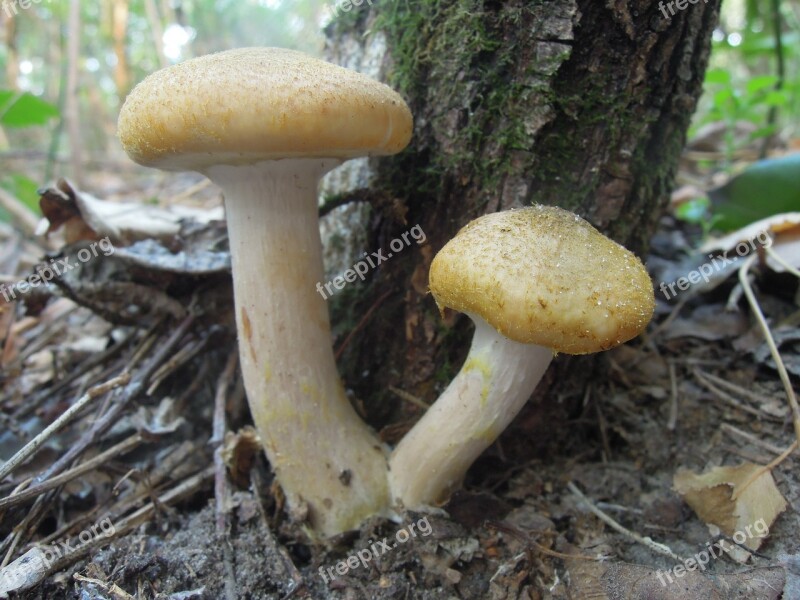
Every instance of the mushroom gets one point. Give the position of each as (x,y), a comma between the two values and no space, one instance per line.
(265,124)
(535,281)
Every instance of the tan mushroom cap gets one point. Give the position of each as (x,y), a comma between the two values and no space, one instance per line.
(542,275)
(252,104)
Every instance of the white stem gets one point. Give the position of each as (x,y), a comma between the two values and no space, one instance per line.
(493,385)
(324,456)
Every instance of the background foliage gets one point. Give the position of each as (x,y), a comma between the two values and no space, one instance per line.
(751,91)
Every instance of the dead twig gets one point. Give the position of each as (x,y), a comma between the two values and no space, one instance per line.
(110,588)
(410,398)
(183,356)
(784,455)
(734,388)
(645,541)
(102,458)
(672,422)
(176,494)
(773,348)
(96,360)
(779,259)
(756,441)
(31,447)
(118,402)
(727,398)
(221,490)
(170,465)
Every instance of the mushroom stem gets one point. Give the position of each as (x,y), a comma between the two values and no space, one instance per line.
(492,386)
(324,456)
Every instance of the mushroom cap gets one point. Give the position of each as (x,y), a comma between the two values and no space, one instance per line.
(542,275)
(252,104)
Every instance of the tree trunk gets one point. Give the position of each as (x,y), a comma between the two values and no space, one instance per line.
(72,114)
(154,19)
(578,103)
(119,29)
(12,51)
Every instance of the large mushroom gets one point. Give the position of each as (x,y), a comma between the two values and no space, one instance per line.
(535,281)
(265,124)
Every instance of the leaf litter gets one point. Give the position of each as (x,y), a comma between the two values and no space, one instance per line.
(161,447)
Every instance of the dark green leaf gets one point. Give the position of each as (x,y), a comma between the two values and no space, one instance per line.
(766,188)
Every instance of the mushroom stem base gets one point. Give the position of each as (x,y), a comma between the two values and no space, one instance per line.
(493,385)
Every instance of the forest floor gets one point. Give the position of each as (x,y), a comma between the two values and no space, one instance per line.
(135,502)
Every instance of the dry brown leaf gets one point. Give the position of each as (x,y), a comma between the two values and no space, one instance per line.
(85,217)
(784,229)
(239,453)
(743,501)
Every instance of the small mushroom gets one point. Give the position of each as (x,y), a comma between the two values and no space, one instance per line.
(535,281)
(265,124)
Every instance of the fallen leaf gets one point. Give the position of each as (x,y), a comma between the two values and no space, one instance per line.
(765,188)
(239,452)
(743,501)
(784,229)
(85,217)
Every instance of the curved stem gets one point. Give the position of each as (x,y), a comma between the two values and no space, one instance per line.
(493,385)
(324,456)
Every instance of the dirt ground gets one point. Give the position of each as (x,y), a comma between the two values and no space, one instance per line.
(698,390)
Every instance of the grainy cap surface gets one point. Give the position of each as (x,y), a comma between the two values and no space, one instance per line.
(254,104)
(542,275)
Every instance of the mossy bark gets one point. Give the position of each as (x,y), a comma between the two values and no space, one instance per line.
(579,103)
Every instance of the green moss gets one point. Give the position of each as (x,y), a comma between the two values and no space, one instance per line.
(457,58)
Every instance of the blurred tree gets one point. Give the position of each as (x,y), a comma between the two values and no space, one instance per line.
(119,25)
(72,115)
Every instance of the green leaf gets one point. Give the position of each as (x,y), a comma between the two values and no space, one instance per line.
(757,84)
(776,98)
(24,109)
(23,188)
(694,211)
(723,97)
(766,188)
(718,76)
(763,132)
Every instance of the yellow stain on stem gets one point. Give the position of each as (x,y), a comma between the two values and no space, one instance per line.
(479,364)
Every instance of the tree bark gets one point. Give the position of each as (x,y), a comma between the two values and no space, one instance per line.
(578,103)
